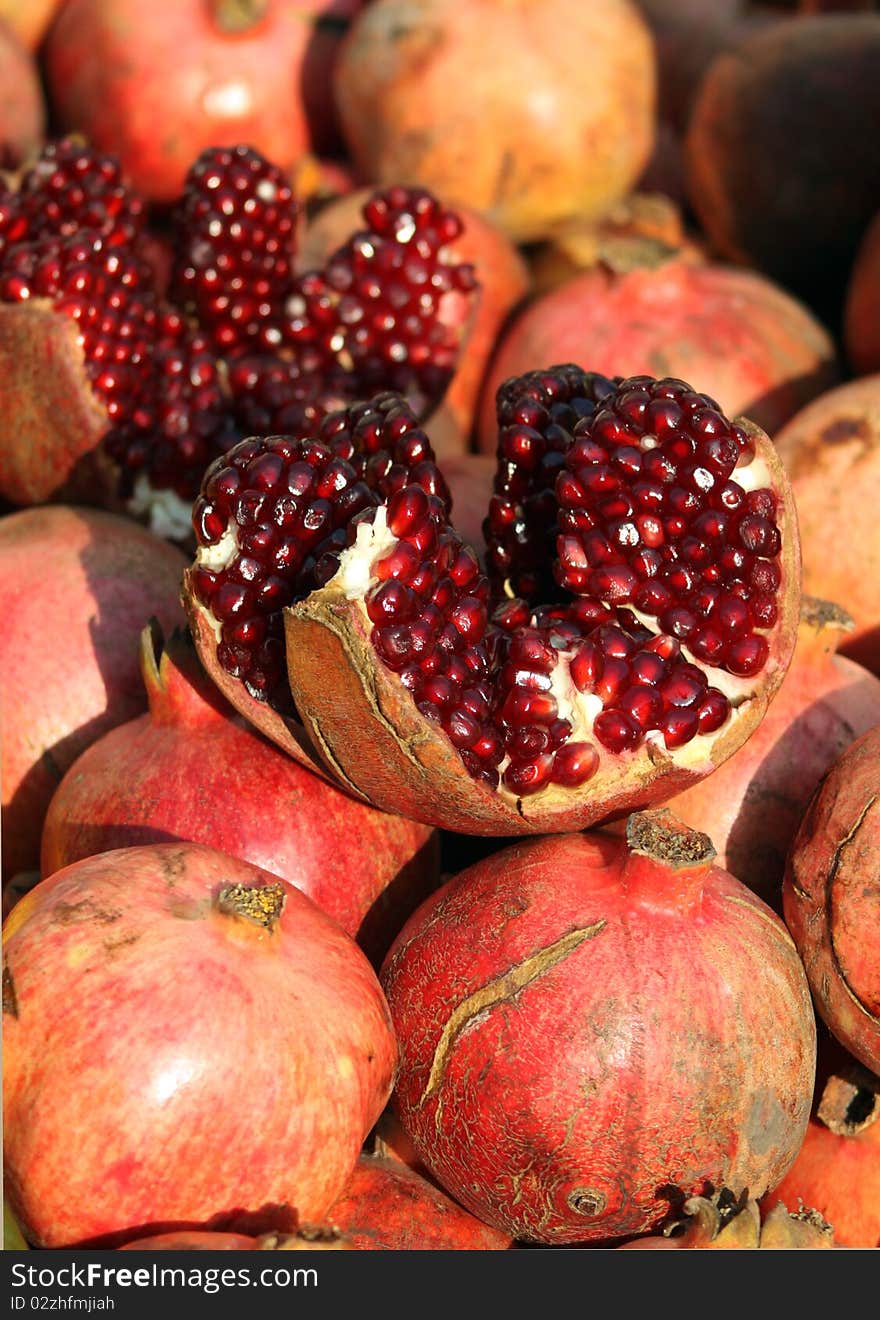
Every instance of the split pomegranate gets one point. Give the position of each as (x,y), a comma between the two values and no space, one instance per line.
(230,1044)
(487,104)
(752,346)
(638,613)
(861,320)
(831,900)
(752,805)
(80,585)
(837,1169)
(156,86)
(190,769)
(388,1207)
(22,111)
(117,396)
(781,173)
(571,1070)
(831,451)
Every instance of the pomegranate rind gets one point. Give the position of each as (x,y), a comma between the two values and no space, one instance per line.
(286,732)
(53,423)
(831,903)
(377,743)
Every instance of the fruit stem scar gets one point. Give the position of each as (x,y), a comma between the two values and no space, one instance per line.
(497,992)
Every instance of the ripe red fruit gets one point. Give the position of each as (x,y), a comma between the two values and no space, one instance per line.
(752,805)
(861,330)
(752,346)
(831,451)
(22,111)
(837,1169)
(388,1207)
(513,146)
(191,770)
(831,901)
(781,174)
(230,1043)
(570,1068)
(158,86)
(81,586)
(527,699)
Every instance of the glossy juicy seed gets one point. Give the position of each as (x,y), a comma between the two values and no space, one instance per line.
(234,246)
(706,539)
(537,415)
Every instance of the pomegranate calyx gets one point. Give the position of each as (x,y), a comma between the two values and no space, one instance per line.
(234,17)
(176,683)
(850,1101)
(658,839)
(261,905)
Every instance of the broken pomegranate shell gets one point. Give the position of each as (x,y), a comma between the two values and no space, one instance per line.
(638,615)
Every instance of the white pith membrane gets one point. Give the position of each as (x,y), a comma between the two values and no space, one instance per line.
(356,576)
(166,513)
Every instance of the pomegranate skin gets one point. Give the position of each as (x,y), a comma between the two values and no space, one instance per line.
(191,770)
(230,1057)
(81,584)
(831,900)
(28,19)
(157,86)
(751,345)
(570,1068)
(753,804)
(861,325)
(831,451)
(527,140)
(22,111)
(388,1207)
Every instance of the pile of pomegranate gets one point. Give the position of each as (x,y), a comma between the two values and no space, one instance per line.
(441,667)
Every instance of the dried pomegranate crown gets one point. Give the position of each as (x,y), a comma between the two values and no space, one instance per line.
(653,546)
(242,342)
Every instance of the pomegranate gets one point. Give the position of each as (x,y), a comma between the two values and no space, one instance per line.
(831,900)
(191,770)
(753,804)
(755,348)
(157,86)
(80,586)
(831,451)
(838,1166)
(688,35)
(230,1043)
(309,1237)
(388,1207)
(721,1225)
(555,690)
(22,112)
(504,281)
(570,1068)
(487,104)
(28,19)
(781,173)
(150,390)
(862,310)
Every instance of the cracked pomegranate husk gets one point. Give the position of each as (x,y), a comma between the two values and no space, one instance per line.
(638,611)
(124,376)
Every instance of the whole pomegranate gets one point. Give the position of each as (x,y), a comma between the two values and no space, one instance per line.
(583,673)
(831,451)
(831,900)
(81,584)
(861,328)
(837,1169)
(488,103)
(752,805)
(191,769)
(22,112)
(781,173)
(156,86)
(755,348)
(571,1070)
(230,1048)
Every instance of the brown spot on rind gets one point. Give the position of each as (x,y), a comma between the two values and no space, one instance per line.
(10,1000)
(69,914)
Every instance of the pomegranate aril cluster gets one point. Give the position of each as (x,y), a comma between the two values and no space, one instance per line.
(290,508)
(653,518)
